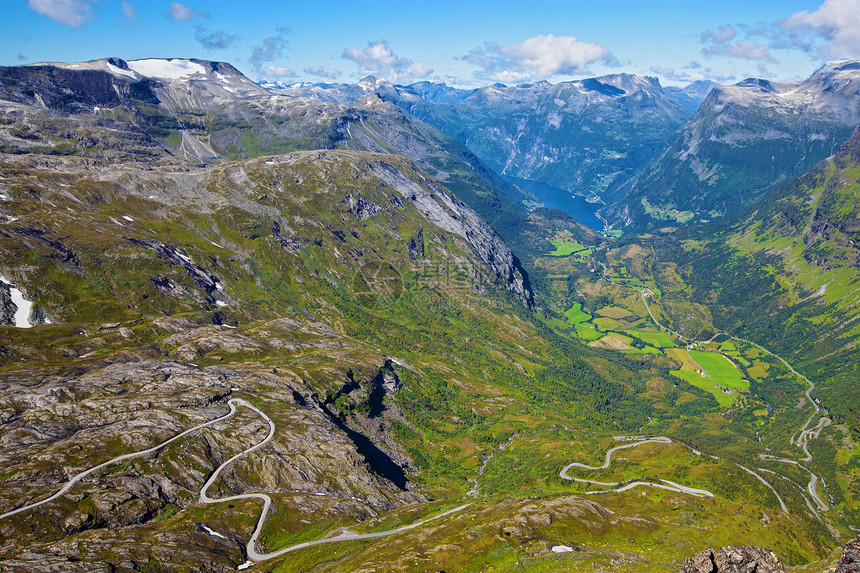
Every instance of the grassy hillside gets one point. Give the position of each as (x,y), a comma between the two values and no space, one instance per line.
(310,286)
(787,274)
(409,361)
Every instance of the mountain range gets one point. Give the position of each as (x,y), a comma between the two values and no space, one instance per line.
(328,307)
(551,133)
(744,140)
(627,142)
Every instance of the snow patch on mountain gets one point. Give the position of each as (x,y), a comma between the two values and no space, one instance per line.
(119,71)
(23,307)
(168,69)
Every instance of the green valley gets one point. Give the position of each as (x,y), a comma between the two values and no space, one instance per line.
(277,332)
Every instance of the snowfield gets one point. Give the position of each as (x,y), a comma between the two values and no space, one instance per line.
(22,305)
(170,69)
(128,73)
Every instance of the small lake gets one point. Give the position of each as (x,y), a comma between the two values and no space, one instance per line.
(555,198)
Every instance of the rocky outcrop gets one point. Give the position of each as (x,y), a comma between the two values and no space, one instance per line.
(291,244)
(7,307)
(204,278)
(849,562)
(734,560)
(361,207)
(416,246)
(450,214)
(63,254)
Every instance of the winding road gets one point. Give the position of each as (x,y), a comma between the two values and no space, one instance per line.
(251,547)
(77,478)
(806,433)
(764,481)
(667,485)
(813,479)
(800,440)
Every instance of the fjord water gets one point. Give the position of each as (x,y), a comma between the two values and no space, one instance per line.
(555,198)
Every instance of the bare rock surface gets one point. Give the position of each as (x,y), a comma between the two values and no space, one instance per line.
(849,562)
(145,510)
(734,560)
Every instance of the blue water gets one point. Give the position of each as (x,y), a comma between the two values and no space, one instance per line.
(556,198)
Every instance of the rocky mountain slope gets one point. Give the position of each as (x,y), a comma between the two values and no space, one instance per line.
(338,290)
(585,136)
(744,140)
(788,273)
(194,112)
(147,275)
(692,95)
(337,333)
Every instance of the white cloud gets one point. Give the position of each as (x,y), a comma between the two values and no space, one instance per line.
(271,48)
(725,34)
(418,70)
(378,58)
(720,44)
(129,12)
(323,72)
(834,28)
(217,40)
(181,12)
(278,72)
(71,12)
(538,58)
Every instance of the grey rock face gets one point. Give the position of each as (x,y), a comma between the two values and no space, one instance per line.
(7,307)
(849,562)
(361,207)
(734,560)
(416,246)
(204,278)
(449,213)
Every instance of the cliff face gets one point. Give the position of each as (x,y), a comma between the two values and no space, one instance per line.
(849,562)
(757,560)
(734,560)
(449,213)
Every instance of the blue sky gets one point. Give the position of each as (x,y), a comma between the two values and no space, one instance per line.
(465,43)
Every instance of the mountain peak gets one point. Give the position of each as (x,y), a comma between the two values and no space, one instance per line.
(117,67)
(763,84)
(172,69)
(372,82)
(844,65)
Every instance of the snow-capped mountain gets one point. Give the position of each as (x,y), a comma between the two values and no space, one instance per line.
(199,83)
(583,136)
(745,139)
